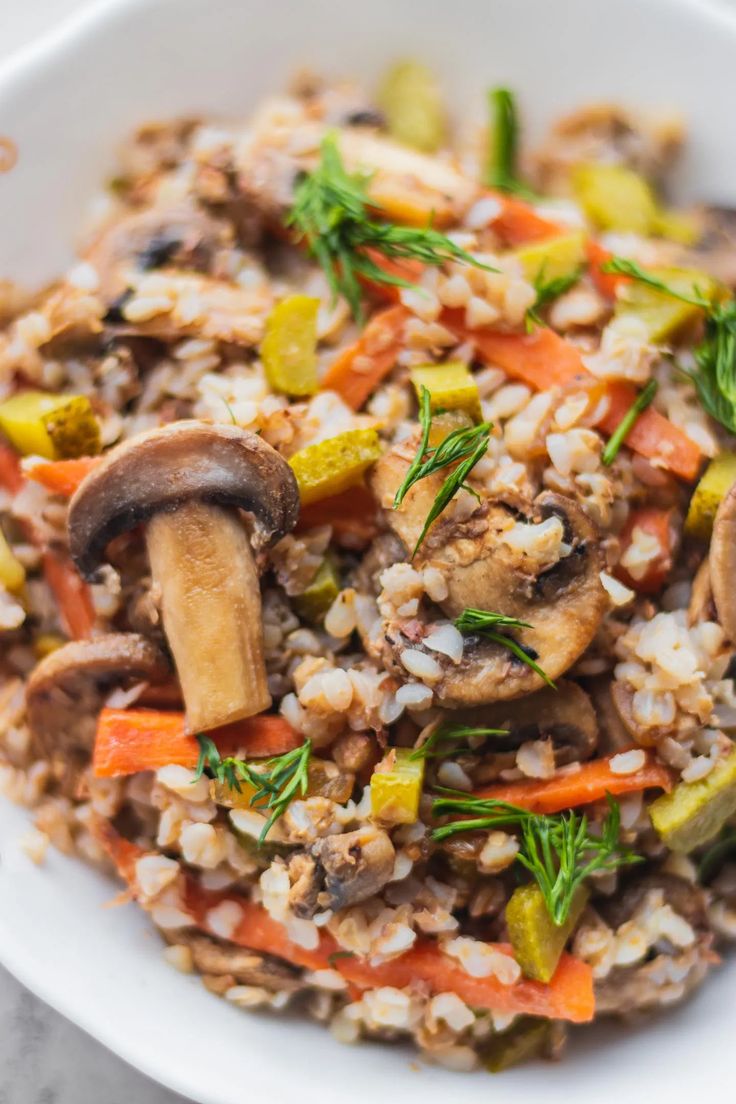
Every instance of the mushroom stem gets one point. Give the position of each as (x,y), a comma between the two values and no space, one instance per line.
(203,567)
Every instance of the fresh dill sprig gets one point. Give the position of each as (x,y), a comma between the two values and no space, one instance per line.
(558,851)
(463,446)
(444,739)
(622,266)
(549,290)
(486,623)
(624,427)
(501,170)
(714,374)
(331,212)
(275,782)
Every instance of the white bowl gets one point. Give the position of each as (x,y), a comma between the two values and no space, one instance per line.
(66,104)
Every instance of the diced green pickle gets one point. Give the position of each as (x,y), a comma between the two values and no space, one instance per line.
(410,99)
(553,259)
(525,1039)
(451,386)
(289,347)
(334,465)
(537,941)
(695,812)
(662,315)
(396,787)
(57,427)
(314,602)
(714,484)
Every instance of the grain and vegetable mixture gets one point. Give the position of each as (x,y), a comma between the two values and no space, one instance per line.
(368,536)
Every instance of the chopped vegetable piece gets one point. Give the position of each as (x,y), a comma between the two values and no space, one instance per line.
(410,99)
(451,386)
(614,197)
(359,369)
(446,423)
(695,812)
(12,572)
(314,602)
(624,427)
(540,359)
(592,782)
(52,426)
(73,597)
(652,435)
(289,347)
(661,524)
(568,996)
(552,259)
(608,283)
(713,486)
(46,643)
(133,740)
(351,514)
(396,787)
(537,941)
(332,466)
(662,315)
(525,1039)
(517,223)
(61,477)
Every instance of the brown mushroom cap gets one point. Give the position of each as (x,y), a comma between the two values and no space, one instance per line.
(565,715)
(184,461)
(180,234)
(564,603)
(67,688)
(722,559)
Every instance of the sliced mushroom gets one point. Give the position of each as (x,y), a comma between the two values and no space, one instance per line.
(341,870)
(565,716)
(67,689)
(715,252)
(701,607)
(563,602)
(723,563)
(239,965)
(622,696)
(185,480)
(181,235)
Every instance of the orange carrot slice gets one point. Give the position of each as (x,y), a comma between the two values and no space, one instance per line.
(133,740)
(652,435)
(359,369)
(351,514)
(62,477)
(590,783)
(73,596)
(660,524)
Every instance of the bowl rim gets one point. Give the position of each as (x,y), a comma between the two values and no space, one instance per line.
(77,30)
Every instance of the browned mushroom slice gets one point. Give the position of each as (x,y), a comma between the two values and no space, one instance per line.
(723,563)
(563,600)
(67,689)
(182,235)
(340,870)
(565,715)
(185,480)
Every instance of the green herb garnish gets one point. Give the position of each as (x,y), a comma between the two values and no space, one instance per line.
(714,376)
(548,291)
(331,213)
(464,447)
(624,427)
(445,738)
(501,171)
(714,857)
(486,623)
(276,781)
(558,851)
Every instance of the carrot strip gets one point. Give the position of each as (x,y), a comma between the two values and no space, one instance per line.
(592,782)
(541,359)
(351,514)
(519,224)
(11,476)
(607,283)
(73,596)
(660,524)
(402,267)
(568,996)
(358,370)
(652,435)
(133,740)
(62,477)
